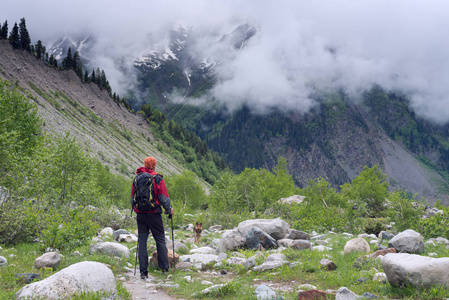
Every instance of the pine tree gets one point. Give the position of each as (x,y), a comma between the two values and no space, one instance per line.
(86,76)
(92,77)
(67,62)
(4,31)
(25,40)
(14,38)
(39,50)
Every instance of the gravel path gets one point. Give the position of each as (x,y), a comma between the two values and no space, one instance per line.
(141,289)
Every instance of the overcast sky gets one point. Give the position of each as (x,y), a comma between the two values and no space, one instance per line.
(300,46)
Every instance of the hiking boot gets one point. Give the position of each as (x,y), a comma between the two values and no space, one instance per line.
(164,271)
(143,276)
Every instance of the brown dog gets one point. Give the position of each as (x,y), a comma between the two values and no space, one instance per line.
(197,232)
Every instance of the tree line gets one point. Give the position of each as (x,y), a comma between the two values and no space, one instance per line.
(20,39)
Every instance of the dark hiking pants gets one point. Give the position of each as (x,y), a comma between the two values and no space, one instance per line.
(153,223)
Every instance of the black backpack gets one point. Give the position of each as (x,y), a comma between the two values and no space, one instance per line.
(143,197)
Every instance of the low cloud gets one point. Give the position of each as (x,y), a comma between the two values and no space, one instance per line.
(300,46)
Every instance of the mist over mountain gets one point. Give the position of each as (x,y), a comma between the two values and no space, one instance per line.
(299,47)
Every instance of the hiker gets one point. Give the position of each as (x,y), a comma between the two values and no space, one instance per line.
(150,219)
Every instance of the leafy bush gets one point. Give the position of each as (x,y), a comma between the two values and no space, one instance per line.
(15,225)
(68,232)
(433,227)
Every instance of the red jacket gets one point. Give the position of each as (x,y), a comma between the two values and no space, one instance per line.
(160,192)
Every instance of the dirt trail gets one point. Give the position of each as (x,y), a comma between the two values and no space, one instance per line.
(141,289)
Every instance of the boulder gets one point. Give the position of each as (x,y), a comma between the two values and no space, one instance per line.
(236,261)
(357,244)
(3,261)
(292,199)
(382,252)
(171,260)
(408,241)
(344,293)
(110,248)
(301,245)
(287,243)
(383,235)
(230,240)
(117,233)
(297,235)
(204,250)
(127,238)
(198,258)
(178,246)
(269,265)
(256,239)
(263,292)
(107,231)
(276,228)
(86,276)
(419,271)
(327,264)
(48,260)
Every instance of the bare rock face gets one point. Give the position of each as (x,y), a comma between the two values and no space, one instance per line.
(86,276)
(415,270)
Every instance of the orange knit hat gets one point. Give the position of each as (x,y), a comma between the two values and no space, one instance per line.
(150,163)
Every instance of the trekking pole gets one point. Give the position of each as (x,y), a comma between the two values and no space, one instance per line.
(137,251)
(173,239)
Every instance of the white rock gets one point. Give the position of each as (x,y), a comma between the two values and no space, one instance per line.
(48,260)
(357,244)
(86,276)
(381,277)
(415,270)
(344,293)
(276,228)
(321,248)
(110,248)
(107,231)
(306,287)
(204,250)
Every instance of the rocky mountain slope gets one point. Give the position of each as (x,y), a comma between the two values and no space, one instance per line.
(106,130)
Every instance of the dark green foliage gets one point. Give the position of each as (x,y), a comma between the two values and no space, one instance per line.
(14,37)
(4,31)
(39,50)
(185,146)
(25,40)
(67,62)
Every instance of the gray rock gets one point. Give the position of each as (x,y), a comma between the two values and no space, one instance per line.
(222,256)
(230,240)
(183,265)
(86,276)
(48,260)
(257,239)
(294,234)
(292,199)
(26,277)
(204,250)
(107,231)
(209,290)
(357,244)
(285,243)
(276,257)
(321,248)
(415,270)
(381,277)
(110,248)
(127,238)
(344,293)
(386,235)
(199,260)
(3,261)
(306,287)
(367,295)
(276,228)
(117,233)
(408,241)
(263,292)
(250,262)
(269,265)
(236,261)
(301,245)
(327,264)
(178,246)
